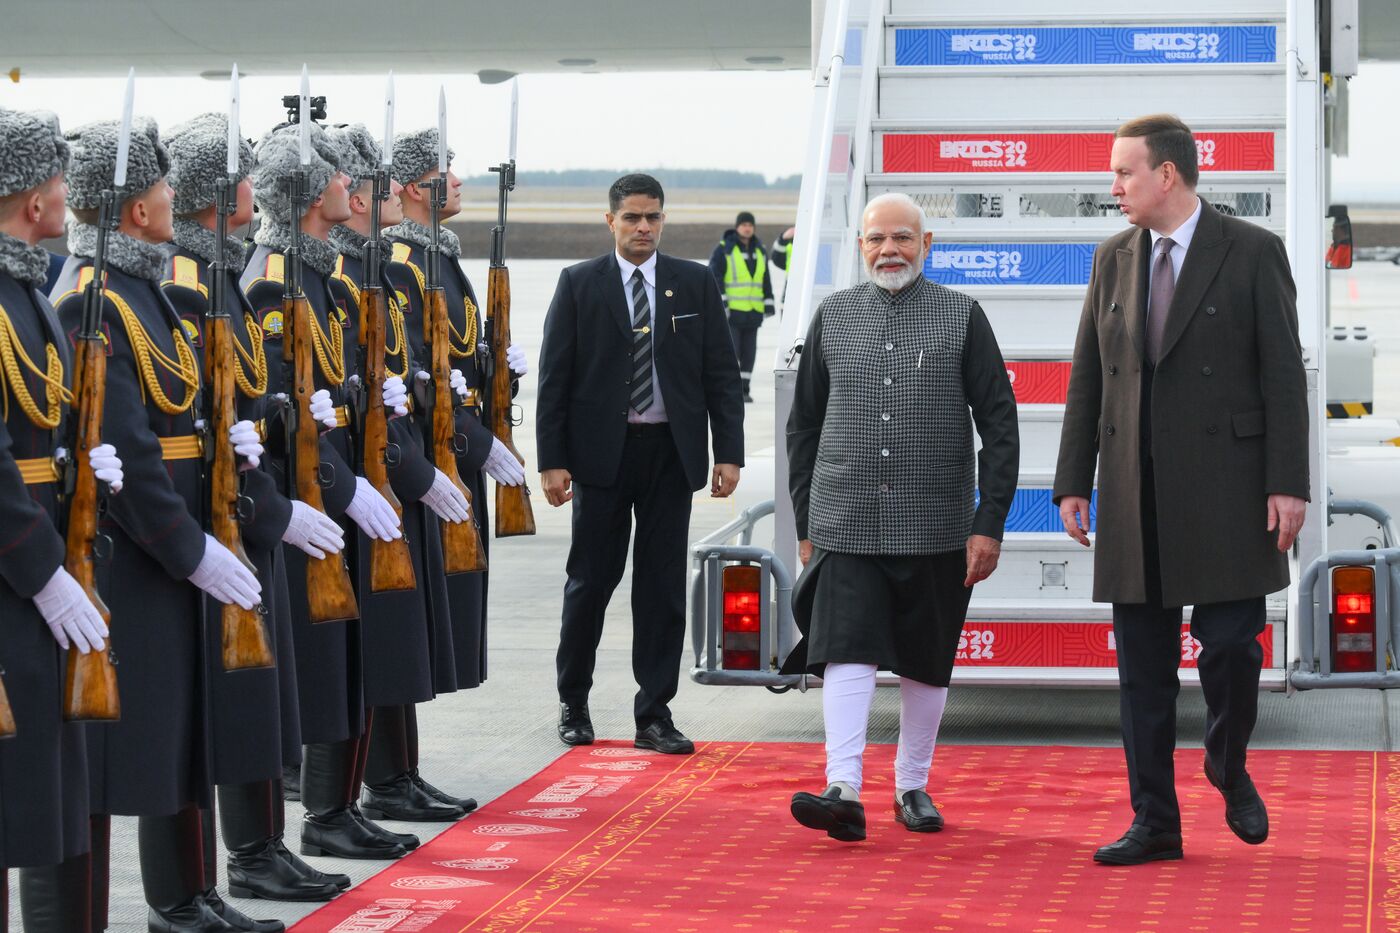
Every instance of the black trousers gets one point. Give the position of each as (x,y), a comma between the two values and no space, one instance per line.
(743,330)
(652,484)
(1150,649)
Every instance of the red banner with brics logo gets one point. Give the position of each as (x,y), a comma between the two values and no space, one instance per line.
(1061,644)
(1057,152)
(1039,382)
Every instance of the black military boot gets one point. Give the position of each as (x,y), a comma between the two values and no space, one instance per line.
(279,829)
(390,792)
(331,826)
(236,918)
(171,853)
(255,868)
(291,782)
(100,835)
(410,721)
(57,898)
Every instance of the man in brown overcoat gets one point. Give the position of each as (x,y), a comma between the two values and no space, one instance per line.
(1188,389)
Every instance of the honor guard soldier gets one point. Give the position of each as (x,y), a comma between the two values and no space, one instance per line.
(43,762)
(416,167)
(407,633)
(152,763)
(329,681)
(254,720)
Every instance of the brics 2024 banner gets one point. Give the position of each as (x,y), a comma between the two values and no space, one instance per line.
(1056,152)
(1088,45)
(964,264)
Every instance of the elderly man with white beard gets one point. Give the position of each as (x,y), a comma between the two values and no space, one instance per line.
(896,518)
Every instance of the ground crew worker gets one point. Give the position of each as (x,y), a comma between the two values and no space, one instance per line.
(740,266)
(784,256)
(254,719)
(415,162)
(329,681)
(407,635)
(152,763)
(43,766)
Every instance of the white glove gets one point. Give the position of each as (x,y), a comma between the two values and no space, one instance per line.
(396,396)
(372,512)
(446,499)
(70,614)
(322,409)
(502,466)
(313,531)
(106,466)
(458,383)
(516,359)
(223,576)
(244,438)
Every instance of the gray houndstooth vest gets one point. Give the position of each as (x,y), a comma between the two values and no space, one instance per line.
(894,471)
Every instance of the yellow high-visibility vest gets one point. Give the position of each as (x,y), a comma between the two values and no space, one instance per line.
(743,290)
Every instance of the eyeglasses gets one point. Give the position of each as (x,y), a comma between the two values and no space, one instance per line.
(902,240)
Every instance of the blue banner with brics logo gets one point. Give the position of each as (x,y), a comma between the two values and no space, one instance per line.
(962,264)
(1088,45)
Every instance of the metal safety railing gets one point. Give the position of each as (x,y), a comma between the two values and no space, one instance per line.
(1314,666)
(776,635)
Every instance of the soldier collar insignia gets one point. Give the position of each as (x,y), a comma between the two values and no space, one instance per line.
(24,262)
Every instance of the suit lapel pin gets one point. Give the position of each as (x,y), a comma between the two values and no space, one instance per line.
(669,293)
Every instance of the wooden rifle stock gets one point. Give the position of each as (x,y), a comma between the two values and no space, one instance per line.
(7,716)
(247,644)
(390,562)
(463,551)
(90,689)
(329,595)
(514,516)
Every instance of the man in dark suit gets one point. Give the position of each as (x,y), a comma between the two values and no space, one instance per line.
(636,362)
(1188,388)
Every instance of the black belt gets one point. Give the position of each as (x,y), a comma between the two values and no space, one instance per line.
(648,430)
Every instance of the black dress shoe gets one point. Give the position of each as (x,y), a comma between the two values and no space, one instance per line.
(468,804)
(193,916)
(1139,845)
(340,834)
(236,918)
(575,728)
(401,799)
(291,782)
(917,812)
(664,737)
(407,840)
(262,872)
(843,820)
(1244,808)
(314,875)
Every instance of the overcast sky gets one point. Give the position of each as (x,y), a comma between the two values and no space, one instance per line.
(756,121)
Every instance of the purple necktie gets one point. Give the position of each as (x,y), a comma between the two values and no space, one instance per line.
(1160,301)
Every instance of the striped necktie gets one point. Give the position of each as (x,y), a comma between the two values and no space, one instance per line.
(642,390)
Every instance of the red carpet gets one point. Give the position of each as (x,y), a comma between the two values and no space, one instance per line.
(611,838)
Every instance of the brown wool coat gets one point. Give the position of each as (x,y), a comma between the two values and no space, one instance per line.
(1229,414)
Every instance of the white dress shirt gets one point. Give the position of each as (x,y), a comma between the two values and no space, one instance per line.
(1181,240)
(656,412)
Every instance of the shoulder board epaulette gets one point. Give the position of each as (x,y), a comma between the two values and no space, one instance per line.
(84,277)
(184,272)
(276,267)
(349,283)
(401,253)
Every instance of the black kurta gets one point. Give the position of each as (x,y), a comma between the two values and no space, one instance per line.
(254,724)
(43,768)
(329,682)
(401,630)
(466,591)
(153,761)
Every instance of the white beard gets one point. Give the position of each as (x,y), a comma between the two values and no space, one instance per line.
(892,280)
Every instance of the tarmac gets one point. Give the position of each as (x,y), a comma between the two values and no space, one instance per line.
(483,742)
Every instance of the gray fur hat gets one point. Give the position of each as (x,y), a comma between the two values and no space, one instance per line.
(359,153)
(415,155)
(199,157)
(279,158)
(95,160)
(34,150)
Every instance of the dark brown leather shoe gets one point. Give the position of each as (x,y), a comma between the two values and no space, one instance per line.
(662,736)
(842,820)
(575,728)
(1244,808)
(917,812)
(1140,845)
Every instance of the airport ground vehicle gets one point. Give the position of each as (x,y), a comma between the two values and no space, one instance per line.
(997,117)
